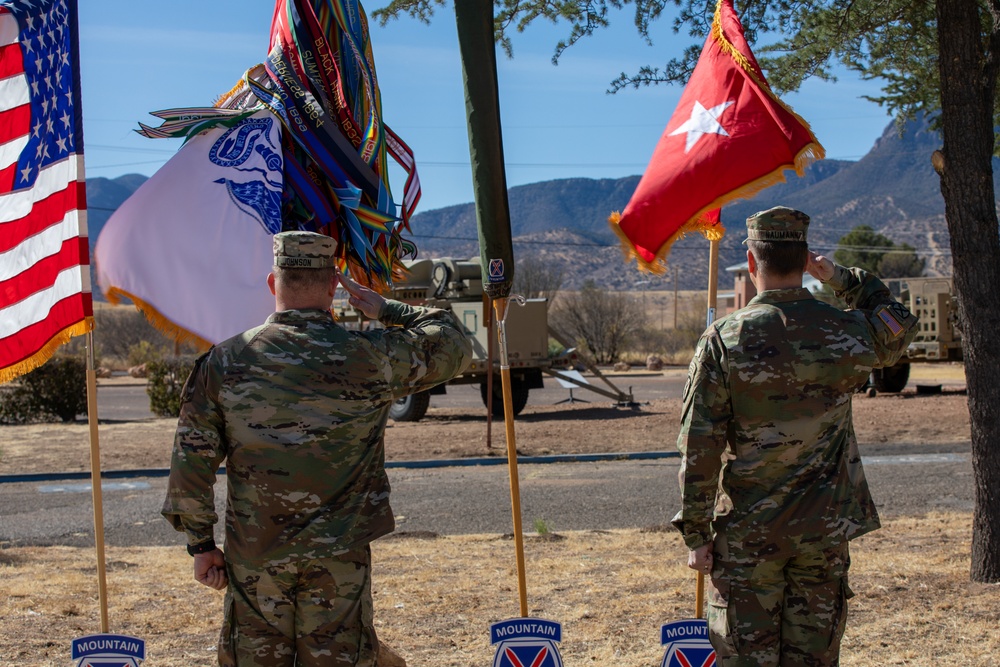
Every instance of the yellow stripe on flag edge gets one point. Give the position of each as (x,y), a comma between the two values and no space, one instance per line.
(810,153)
(658,265)
(84,326)
(727,47)
(805,157)
(170,329)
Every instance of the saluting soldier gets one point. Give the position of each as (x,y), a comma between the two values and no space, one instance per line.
(296,409)
(771,478)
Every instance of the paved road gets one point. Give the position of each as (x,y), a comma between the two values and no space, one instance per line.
(567,496)
(126,400)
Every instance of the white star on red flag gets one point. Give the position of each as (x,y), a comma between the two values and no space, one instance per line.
(701,122)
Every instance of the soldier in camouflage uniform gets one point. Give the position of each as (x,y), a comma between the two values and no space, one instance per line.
(297,408)
(771,478)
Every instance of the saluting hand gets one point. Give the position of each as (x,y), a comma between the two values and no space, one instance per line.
(367,301)
(819,267)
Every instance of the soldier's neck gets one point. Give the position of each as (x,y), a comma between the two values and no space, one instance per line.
(764,282)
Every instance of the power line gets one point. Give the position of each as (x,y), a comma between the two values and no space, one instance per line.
(581,244)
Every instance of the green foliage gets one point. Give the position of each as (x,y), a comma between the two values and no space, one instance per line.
(542,527)
(584,17)
(165,380)
(144,352)
(126,338)
(891,40)
(864,248)
(55,391)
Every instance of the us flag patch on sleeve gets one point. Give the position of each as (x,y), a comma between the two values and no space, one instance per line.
(890,321)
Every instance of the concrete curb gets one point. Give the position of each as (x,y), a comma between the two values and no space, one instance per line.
(433,463)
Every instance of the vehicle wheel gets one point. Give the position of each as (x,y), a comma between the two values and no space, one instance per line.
(518,396)
(410,408)
(892,379)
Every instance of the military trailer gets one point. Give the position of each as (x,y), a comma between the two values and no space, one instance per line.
(938,337)
(457,285)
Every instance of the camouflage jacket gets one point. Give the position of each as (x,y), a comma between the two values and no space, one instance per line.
(297,408)
(768,405)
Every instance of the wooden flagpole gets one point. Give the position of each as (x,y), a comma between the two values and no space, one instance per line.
(713,292)
(95,478)
(500,306)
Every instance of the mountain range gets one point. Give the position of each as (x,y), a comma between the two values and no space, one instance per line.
(563,222)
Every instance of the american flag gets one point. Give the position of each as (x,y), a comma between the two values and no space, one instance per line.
(44,254)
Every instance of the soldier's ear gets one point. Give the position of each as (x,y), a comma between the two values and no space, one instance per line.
(270,282)
(751,262)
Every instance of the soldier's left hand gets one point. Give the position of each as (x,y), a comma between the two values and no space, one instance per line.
(701,559)
(210,569)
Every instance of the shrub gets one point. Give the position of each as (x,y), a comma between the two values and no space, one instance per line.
(165,380)
(125,338)
(143,352)
(602,322)
(55,390)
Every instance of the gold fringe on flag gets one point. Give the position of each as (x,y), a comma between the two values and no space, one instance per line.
(157,319)
(83,327)
(814,149)
(810,153)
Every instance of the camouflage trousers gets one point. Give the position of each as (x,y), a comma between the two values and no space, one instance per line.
(779,612)
(300,614)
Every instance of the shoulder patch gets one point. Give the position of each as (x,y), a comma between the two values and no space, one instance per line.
(890,322)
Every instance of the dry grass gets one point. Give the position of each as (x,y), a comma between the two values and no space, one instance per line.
(435,598)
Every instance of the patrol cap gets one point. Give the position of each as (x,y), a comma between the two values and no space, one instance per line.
(304,250)
(777,224)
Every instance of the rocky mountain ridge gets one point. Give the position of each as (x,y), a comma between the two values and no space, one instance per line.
(893,189)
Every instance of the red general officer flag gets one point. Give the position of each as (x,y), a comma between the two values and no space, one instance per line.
(44,256)
(730,137)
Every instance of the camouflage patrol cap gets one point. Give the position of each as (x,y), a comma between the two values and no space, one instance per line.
(777,224)
(304,250)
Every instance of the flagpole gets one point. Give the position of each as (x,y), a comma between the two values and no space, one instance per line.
(500,305)
(95,478)
(713,279)
(713,297)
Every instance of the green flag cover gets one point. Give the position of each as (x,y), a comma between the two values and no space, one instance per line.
(489,180)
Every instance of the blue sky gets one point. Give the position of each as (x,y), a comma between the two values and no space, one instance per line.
(139,56)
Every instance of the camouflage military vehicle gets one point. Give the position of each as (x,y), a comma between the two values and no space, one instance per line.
(939,338)
(457,285)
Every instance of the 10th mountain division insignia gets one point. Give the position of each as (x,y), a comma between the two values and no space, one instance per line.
(687,644)
(108,651)
(526,642)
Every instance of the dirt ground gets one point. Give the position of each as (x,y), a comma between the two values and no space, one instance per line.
(435,597)
(924,421)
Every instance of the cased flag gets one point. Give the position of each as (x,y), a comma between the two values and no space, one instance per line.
(44,255)
(729,137)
